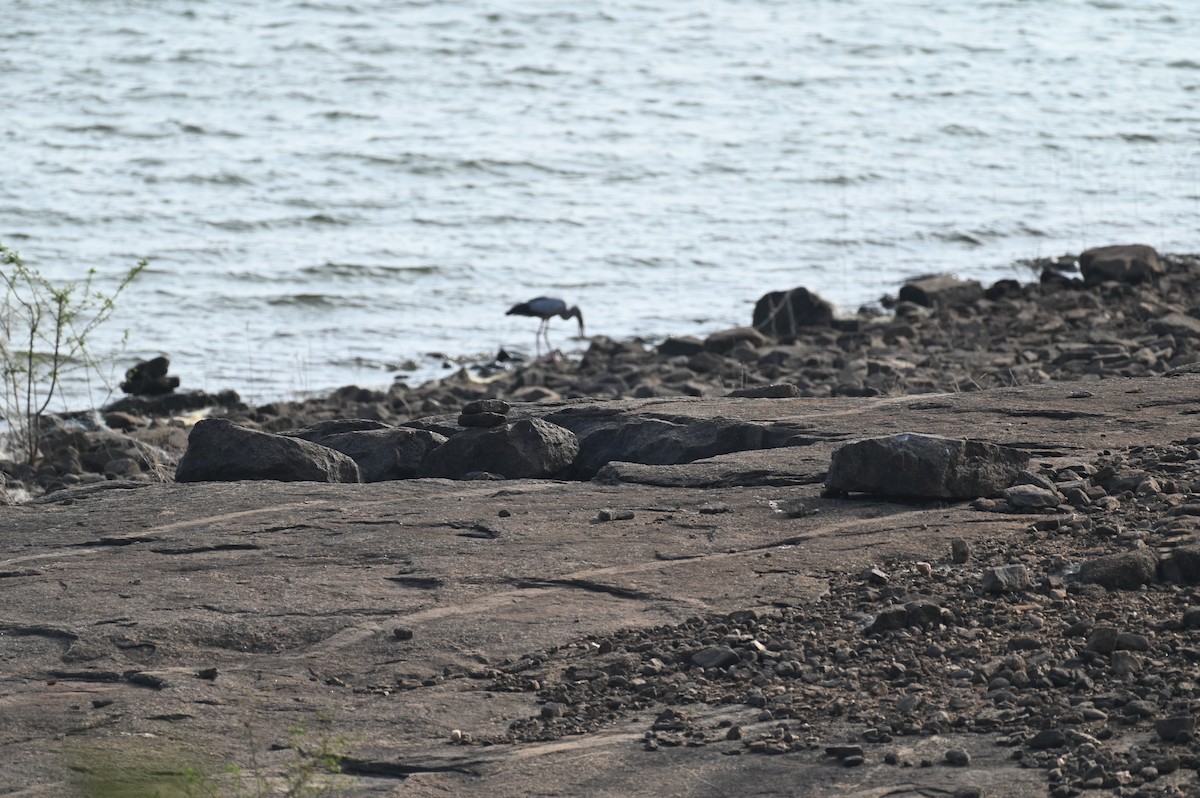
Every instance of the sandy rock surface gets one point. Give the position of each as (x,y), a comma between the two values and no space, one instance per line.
(710,628)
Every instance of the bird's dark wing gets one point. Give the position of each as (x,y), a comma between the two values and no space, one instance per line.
(543,307)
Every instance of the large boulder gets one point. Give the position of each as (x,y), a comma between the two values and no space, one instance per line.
(941,290)
(527,449)
(924,466)
(382,451)
(220,451)
(1126,263)
(782,314)
(607,436)
(1127,570)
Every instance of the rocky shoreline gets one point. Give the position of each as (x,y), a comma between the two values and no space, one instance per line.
(695,611)
(1112,312)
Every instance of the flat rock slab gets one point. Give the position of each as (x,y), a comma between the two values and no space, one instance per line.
(172,617)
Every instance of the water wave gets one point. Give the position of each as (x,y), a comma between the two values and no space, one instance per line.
(364,271)
(301,175)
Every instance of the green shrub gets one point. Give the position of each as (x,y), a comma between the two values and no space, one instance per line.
(152,767)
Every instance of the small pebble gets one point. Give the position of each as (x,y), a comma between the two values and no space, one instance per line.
(614,515)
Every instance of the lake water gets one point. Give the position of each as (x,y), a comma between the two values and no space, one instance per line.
(329,191)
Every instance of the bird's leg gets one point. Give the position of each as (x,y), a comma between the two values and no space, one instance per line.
(537,339)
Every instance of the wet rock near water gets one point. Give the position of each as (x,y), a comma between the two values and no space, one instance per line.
(945,334)
(1126,263)
(1131,312)
(179,403)
(786,314)
(941,290)
(150,378)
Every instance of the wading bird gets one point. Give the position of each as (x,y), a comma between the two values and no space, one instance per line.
(545,308)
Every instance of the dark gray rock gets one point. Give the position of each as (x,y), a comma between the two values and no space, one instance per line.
(1127,263)
(611,437)
(486,406)
(960,550)
(957,757)
(382,451)
(1124,571)
(715,657)
(1132,641)
(1006,579)
(843,751)
(724,341)
(1183,565)
(1048,738)
(923,614)
(927,614)
(149,378)
(924,466)
(1031,497)
(783,314)
(686,345)
(1028,477)
(220,451)
(941,290)
(1171,728)
(169,404)
(1103,639)
(525,449)
(887,620)
(481,419)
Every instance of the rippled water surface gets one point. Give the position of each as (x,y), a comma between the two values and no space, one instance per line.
(329,191)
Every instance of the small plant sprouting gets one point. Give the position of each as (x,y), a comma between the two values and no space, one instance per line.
(44,332)
(147,768)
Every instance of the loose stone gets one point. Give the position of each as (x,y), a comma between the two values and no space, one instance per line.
(1006,579)
(958,757)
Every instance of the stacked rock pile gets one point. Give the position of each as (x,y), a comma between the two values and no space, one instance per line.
(484,413)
